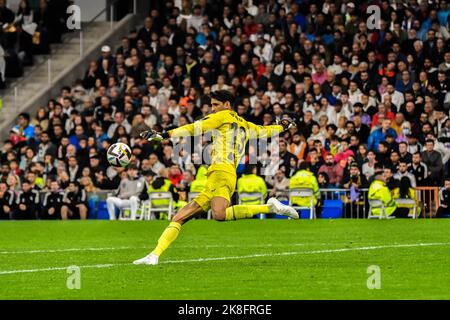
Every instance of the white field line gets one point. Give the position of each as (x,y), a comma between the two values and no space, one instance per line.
(64,250)
(288,253)
(148,247)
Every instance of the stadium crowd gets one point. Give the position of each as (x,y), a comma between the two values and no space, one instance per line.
(27,32)
(366,100)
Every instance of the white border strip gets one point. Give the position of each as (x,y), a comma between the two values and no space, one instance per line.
(288,253)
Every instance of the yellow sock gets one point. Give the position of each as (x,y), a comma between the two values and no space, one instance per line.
(168,236)
(243,211)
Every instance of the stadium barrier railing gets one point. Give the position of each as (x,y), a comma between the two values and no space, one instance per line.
(354,204)
(428,200)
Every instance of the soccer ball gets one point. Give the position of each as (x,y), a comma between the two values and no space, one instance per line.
(119,155)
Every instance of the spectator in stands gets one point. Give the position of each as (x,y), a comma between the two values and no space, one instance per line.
(73,169)
(45,147)
(27,203)
(127,195)
(74,204)
(389,179)
(53,200)
(444,197)
(403,152)
(379,135)
(334,171)
(119,120)
(354,178)
(345,152)
(23,126)
(106,62)
(7,198)
(419,170)
(323,180)
(403,172)
(384,153)
(279,183)
(394,160)
(433,160)
(298,146)
(405,191)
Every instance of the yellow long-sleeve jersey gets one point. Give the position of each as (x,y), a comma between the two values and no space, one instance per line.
(230,134)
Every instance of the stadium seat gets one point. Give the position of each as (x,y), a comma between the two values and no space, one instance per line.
(307,193)
(252,198)
(332,209)
(408,203)
(377,204)
(125,213)
(102,213)
(149,207)
(93,210)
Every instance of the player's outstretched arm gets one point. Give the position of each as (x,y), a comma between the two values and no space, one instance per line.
(268,131)
(199,127)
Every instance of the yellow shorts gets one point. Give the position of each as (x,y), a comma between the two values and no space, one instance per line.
(218,184)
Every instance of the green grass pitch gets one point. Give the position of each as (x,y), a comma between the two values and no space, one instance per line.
(252,259)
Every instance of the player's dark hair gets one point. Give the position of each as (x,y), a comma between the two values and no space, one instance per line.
(223,96)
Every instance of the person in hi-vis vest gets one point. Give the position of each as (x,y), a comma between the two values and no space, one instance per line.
(378,190)
(305,179)
(249,182)
(199,184)
(161,184)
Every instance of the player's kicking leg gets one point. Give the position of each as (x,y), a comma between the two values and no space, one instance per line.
(221,212)
(247,211)
(171,233)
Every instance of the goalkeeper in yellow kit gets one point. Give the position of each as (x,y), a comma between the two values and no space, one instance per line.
(230,134)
